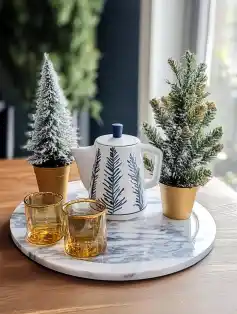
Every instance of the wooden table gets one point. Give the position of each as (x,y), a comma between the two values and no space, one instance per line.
(210,287)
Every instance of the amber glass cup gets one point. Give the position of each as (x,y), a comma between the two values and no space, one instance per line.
(44,217)
(85,233)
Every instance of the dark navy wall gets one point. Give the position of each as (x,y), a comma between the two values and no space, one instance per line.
(3,132)
(118,41)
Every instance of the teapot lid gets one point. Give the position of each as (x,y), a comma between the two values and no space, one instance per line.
(117,138)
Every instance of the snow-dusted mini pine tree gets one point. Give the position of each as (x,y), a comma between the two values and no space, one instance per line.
(187,143)
(184,115)
(52,135)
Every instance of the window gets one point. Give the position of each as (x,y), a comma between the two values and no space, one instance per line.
(222,64)
(208,28)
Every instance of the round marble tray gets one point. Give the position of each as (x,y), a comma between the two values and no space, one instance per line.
(145,247)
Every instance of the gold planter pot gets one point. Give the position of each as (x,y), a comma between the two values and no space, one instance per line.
(177,203)
(53,179)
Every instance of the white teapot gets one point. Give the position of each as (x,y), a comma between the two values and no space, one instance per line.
(112,171)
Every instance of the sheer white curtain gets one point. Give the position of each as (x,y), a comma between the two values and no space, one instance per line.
(220,54)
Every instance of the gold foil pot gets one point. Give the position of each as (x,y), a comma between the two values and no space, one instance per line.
(177,203)
(53,179)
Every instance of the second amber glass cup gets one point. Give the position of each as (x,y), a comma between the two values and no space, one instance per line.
(85,233)
(44,217)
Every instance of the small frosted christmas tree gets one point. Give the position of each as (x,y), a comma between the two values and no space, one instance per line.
(52,135)
(183,116)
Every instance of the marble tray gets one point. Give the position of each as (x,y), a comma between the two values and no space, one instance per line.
(145,247)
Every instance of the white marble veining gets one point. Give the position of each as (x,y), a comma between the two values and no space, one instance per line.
(145,247)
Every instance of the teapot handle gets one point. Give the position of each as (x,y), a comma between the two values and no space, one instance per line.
(149,183)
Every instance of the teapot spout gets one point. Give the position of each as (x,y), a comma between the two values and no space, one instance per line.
(84,157)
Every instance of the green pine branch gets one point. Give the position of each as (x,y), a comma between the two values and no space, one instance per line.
(211,153)
(153,135)
(210,139)
(210,114)
(148,164)
(194,177)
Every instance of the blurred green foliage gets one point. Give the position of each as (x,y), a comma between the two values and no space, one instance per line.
(66,29)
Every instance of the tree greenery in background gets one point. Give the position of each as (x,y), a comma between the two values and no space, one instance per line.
(184,115)
(66,30)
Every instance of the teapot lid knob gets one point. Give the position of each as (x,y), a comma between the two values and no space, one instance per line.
(117,130)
